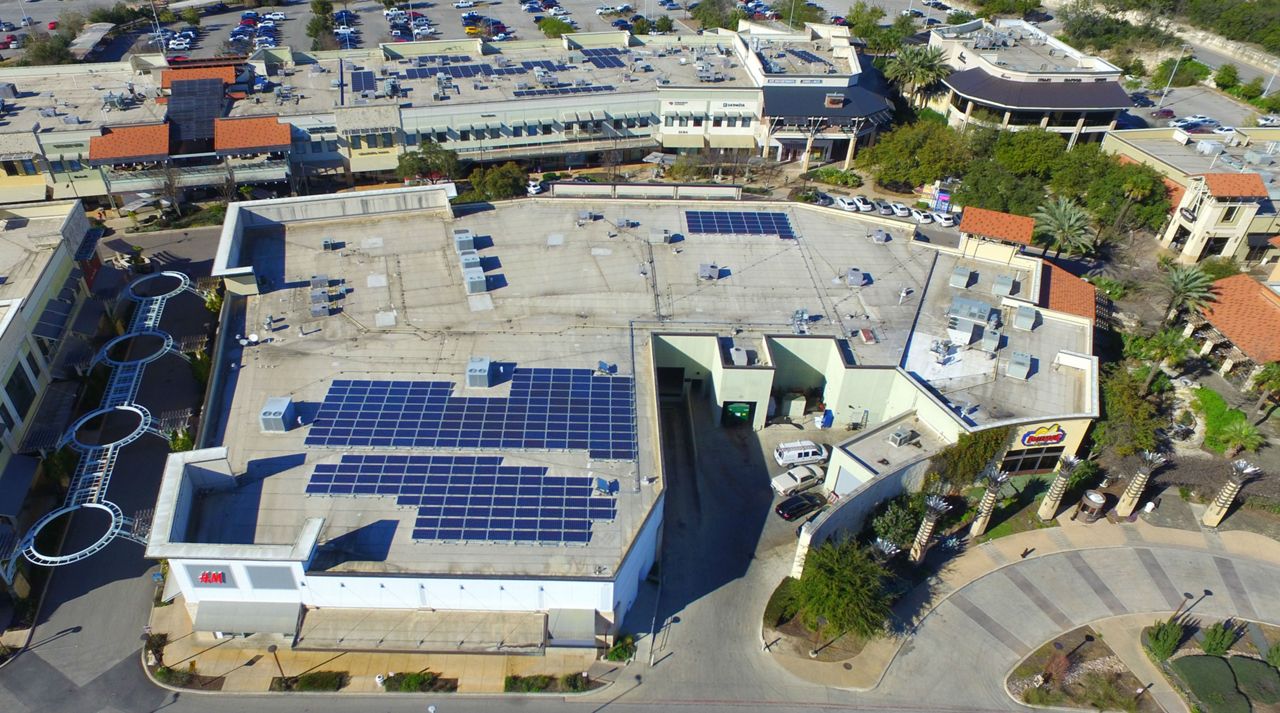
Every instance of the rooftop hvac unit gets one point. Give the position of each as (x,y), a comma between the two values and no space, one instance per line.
(8,90)
(657,237)
(1003,286)
(855,277)
(474,279)
(739,356)
(277,414)
(960,277)
(1206,147)
(479,372)
(1025,318)
(469,259)
(1020,366)
(1258,158)
(320,310)
(990,340)
(707,271)
(902,437)
(463,240)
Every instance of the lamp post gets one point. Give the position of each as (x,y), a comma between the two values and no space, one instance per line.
(1186,597)
(813,653)
(272,649)
(1172,74)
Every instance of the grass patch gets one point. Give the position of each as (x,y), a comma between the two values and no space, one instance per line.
(1017,512)
(1212,684)
(194,218)
(782,606)
(1256,679)
(1218,416)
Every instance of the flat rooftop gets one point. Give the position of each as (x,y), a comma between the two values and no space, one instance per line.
(76,100)
(780,57)
(510,75)
(874,450)
(26,246)
(1219,157)
(947,349)
(1021,47)
(563,293)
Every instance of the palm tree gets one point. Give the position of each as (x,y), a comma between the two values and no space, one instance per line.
(1240,435)
(1066,225)
(1188,287)
(1135,189)
(1165,346)
(914,68)
(1267,383)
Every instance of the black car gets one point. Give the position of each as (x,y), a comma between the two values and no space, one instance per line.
(797,506)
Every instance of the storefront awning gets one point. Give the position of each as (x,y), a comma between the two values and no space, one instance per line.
(731,142)
(247,617)
(683,141)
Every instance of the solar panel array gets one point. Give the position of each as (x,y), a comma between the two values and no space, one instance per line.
(807,56)
(562,90)
(548,409)
(544,64)
(363,82)
(442,59)
(604,58)
(738,223)
(193,105)
(473,498)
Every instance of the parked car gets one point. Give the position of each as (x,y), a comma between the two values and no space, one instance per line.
(1269,120)
(8,27)
(797,506)
(883,207)
(900,209)
(943,218)
(795,453)
(603,10)
(345,16)
(461,4)
(921,216)
(863,204)
(1166,114)
(797,479)
(179,44)
(277,15)
(846,203)
(1224,130)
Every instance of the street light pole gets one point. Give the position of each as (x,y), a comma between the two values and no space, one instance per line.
(1172,74)
(272,650)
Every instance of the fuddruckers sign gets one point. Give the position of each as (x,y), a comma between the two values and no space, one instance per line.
(1044,436)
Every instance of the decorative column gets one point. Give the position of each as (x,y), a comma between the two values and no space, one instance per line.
(1133,493)
(934,507)
(995,481)
(1242,471)
(1053,499)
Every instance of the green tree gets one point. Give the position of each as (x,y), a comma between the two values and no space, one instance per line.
(664,24)
(1219,267)
(1128,195)
(70,23)
(863,20)
(640,27)
(989,185)
(44,49)
(1189,289)
(1129,420)
(959,17)
(430,161)
(554,27)
(191,16)
(844,585)
(1251,89)
(1266,383)
(1034,152)
(1163,638)
(1227,76)
(499,182)
(1189,72)
(1167,346)
(898,521)
(916,154)
(796,14)
(1240,435)
(915,68)
(717,13)
(320,26)
(1218,638)
(1075,170)
(1063,224)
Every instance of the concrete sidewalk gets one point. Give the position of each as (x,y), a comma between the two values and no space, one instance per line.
(868,668)
(245,665)
(1123,635)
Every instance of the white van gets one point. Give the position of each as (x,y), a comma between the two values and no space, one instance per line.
(799,453)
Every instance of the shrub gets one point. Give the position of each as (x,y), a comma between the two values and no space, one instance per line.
(1273,655)
(174,676)
(1163,639)
(1256,679)
(320,681)
(624,647)
(526,684)
(1218,639)
(574,682)
(553,176)
(1211,682)
(411,682)
(1102,693)
(837,177)
(1040,696)
(782,606)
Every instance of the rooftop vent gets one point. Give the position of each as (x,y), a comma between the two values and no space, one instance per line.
(474,279)
(469,259)
(960,277)
(855,277)
(463,240)
(1020,366)
(833,100)
(1025,318)
(479,372)
(1003,286)
(902,437)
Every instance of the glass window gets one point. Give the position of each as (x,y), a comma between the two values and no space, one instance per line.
(631,123)
(333,144)
(28,167)
(495,133)
(517,130)
(1031,460)
(697,121)
(684,121)
(33,365)
(356,141)
(56,166)
(1229,215)
(644,121)
(717,121)
(746,121)
(547,129)
(6,417)
(21,393)
(669,121)
(317,147)
(733,121)
(388,140)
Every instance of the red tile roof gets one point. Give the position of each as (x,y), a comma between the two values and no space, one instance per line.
(1176,191)
(1235,185)
(1068,293)
(1274,241)
(137,141)
(226,73)
(250,132)
(1247,313)
(997,226)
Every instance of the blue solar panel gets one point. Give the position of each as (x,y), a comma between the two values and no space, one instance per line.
(473,497)
(606,62)
(807,56)
(547,409)
(363,81)
(738,223)
(562,90)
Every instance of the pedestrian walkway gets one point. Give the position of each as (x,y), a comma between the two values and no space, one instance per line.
(997,602)
(246,666)
(1123,635)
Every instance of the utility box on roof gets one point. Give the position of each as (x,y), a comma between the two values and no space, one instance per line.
(479,372)
(463,240)
(469,258)
(1025,318)
(277,414)
(1020,366)
(474,279)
